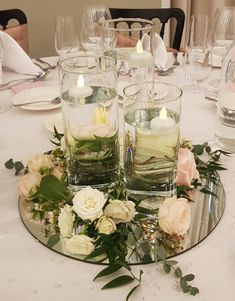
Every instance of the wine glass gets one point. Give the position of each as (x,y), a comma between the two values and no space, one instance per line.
(92,18)
(222,35)
(197,63)
(66,38)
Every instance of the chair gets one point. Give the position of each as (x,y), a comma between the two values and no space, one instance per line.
(163,14)
(18,32)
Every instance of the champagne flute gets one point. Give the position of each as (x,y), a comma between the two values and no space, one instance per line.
(222,35)
(92,18)
(66,38)
(197,63)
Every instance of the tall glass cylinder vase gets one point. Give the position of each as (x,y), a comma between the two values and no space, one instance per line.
(152,127)
(89,106)
(130,41)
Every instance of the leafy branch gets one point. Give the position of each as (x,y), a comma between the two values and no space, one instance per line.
(169,265)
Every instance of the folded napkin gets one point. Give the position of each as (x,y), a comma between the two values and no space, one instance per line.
(15,58)
(159,49)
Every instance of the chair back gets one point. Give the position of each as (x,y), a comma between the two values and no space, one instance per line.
(163,14)
(18,32)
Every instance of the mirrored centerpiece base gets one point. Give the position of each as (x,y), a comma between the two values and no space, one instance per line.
(207,210)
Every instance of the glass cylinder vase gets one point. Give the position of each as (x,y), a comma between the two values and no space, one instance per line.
(152,129)
(89,106)
(131,42)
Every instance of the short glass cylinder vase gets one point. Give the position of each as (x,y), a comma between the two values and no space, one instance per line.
(152,129)
(89,106)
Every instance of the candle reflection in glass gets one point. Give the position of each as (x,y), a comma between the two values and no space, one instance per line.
(152,125)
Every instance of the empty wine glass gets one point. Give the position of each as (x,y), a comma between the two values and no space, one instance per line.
(197,63)
(93,16)
(222,35)
(66,38)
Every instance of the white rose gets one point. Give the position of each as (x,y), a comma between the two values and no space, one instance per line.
(65,221)
(69,138)
(174,216)
(120,211)
(106,225)
(103,130)
(40,162)
(27,185)
(84,132)
(88,203)
(79,244)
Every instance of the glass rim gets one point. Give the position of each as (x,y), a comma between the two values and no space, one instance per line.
(161,100)
(87,71)
(150,24)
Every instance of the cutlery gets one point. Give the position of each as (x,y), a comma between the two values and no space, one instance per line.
(53,101)
(14,82)
(41,61)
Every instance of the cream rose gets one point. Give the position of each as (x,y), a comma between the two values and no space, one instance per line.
(65,221)
(120,211)
(28,183)
(40,162)
(106,225)
(57,172)
(186,167)
(88,203)
(174,216)
(79,244)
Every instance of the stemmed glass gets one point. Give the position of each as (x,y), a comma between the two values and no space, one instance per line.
(222,35)
(66,38)
(92,18)
(197,63)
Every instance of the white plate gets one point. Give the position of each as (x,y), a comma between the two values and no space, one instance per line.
(55,121)
(37,94)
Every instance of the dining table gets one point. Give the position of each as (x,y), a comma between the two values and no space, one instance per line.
(30,271)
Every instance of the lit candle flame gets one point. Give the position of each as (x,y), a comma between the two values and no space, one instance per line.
(81,81)
(163,113)
(139,47)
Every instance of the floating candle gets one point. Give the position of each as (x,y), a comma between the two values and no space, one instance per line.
(140,58)
(80,90)
(162,123)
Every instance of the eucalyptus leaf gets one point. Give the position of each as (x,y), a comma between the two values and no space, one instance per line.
(131,239)
(52,189)
(53,240)
(161,252)
(119,281)
(109,270)
(189,277)
(194,291)
(9,164)
(178,272)
(171,262)
(166,268)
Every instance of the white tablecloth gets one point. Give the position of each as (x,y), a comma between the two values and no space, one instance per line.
(29,271)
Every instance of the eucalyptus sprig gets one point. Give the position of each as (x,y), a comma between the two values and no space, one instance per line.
(17,165)
(172,265)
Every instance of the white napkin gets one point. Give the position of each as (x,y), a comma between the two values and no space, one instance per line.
(159,48)
(15,58)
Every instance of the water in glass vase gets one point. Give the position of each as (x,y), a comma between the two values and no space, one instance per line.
(91,139)
(151,145)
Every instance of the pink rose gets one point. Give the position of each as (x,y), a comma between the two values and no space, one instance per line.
(28,184)
(186,168)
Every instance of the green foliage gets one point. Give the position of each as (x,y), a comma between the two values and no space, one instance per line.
(18,165)
(53,240)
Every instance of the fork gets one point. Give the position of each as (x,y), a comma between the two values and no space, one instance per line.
(22,80)
(53,101)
